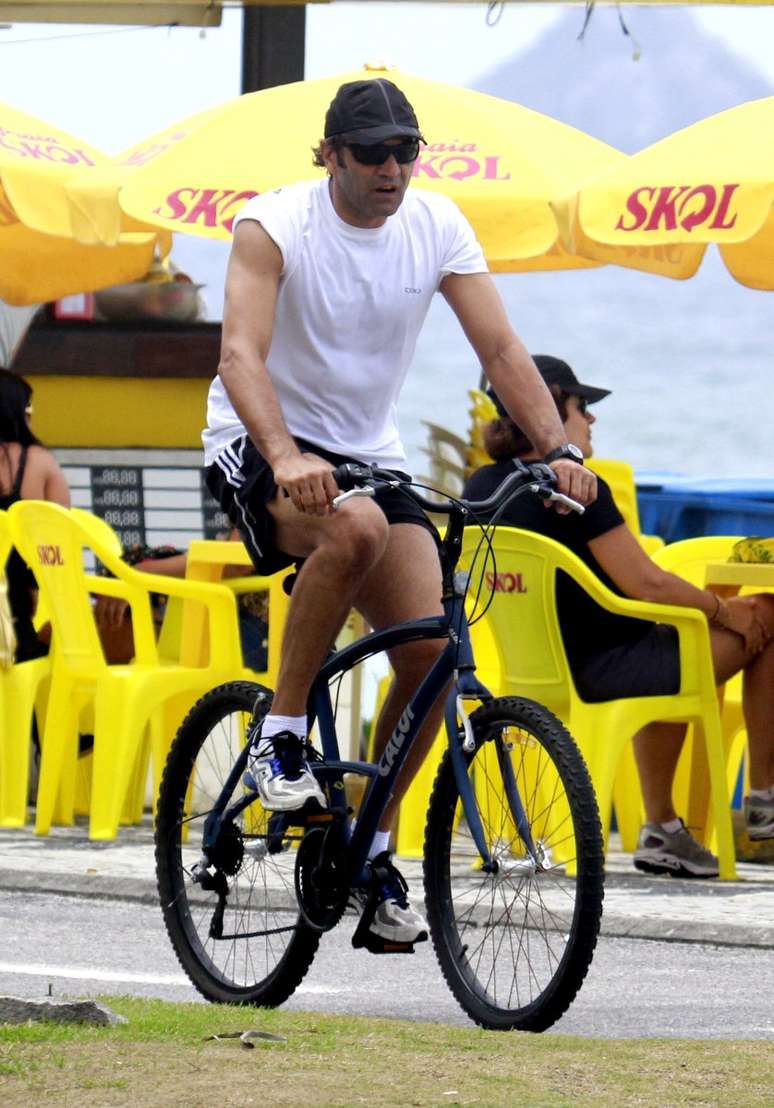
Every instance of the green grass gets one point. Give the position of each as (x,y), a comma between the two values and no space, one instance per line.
(161,1058)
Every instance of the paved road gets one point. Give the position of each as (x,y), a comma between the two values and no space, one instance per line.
(636,988)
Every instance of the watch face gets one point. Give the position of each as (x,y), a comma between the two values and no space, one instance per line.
(574,452)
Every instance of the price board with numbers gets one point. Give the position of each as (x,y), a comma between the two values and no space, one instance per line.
(153,497)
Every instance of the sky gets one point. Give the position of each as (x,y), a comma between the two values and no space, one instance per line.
(113,87)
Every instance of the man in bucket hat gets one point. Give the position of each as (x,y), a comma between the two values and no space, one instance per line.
(328,285)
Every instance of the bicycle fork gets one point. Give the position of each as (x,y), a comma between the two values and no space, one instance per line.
(462,742)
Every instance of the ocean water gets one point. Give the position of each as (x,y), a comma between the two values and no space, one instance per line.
(690,363)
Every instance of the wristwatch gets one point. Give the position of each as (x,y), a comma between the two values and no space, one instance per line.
(569,450)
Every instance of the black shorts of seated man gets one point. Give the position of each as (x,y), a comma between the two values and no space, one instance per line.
(611,656)
(328,285)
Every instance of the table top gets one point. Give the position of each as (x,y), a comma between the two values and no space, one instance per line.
(217,552)
(739,573)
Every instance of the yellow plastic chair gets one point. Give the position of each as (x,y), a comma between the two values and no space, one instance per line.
(519,643)
(164,722)
(124,697)
(688,558)
(207,561)
(620,477)
(23,692)
(482,411)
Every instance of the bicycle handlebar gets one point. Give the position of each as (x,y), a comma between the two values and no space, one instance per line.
(363,480)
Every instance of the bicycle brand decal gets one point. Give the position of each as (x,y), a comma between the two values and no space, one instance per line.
(50,556)
(397,740)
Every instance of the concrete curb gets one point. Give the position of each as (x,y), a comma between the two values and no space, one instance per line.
(661,926)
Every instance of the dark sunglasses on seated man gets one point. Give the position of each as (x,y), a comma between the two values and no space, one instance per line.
(404,152)
(582,405)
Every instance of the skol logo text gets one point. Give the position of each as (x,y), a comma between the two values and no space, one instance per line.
(458,161)
(397,740)
(505,582)
(50,555)
(208,207)
(672,206)
(42,148)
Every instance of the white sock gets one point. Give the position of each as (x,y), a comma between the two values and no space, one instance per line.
(272,725)
(672,826)
(379,843)
(762,794)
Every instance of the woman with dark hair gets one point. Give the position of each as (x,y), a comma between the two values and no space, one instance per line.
(612,656)
(28,471)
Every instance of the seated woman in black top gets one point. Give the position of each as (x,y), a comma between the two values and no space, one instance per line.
(612,656)
(28,471)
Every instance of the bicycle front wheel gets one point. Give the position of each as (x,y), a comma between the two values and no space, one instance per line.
(515,938)
(243,941)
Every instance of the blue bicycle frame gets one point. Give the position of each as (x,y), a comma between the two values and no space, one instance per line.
(456,664)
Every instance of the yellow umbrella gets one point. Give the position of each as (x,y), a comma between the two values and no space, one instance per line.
(501,162)
(39,257)
(712,182)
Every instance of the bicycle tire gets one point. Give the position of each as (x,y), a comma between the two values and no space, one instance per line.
(515,946)
(243,967)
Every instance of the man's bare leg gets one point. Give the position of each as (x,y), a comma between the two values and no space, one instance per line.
(340,550)
(759,704)
(657,747)
(405,584)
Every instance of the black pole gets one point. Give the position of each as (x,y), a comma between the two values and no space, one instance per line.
(273,42)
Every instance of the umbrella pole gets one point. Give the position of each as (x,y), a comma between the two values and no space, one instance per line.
(273,42)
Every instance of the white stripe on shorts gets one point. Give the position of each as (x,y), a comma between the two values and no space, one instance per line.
(245,521)
(229,463)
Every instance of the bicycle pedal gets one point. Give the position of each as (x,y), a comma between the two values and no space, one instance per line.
(375,944)
(310,813)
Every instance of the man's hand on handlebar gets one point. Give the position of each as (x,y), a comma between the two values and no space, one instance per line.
(574,481)
(309,482)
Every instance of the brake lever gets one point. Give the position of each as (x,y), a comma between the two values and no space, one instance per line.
(366,490)
(559,497)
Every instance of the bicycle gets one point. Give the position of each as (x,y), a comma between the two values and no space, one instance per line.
(513,852)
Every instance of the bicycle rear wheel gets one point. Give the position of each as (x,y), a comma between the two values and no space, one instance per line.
(264,949)
(515,944)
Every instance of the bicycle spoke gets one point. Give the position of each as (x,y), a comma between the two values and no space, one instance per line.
(262,950)
(508,941)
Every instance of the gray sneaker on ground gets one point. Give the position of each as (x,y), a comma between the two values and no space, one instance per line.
(277,769)
(759,817)
(675,853)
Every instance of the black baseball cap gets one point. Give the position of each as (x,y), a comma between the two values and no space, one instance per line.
(371,111)
(555,371)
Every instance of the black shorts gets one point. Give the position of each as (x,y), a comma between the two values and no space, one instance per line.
(242,482)
(646,666)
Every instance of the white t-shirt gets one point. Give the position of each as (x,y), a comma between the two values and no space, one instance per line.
(350,306)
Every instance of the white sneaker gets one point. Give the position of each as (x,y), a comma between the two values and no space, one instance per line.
(277,769)
(394,919)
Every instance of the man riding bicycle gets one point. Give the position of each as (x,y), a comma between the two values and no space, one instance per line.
(328,285)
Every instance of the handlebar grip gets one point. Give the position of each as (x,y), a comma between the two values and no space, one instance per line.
(351,475)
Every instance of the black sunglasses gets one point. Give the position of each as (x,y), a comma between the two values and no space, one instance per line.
(583,403)
(404,152)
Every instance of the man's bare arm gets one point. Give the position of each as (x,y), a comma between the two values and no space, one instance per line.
(508,366)
(252,283)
